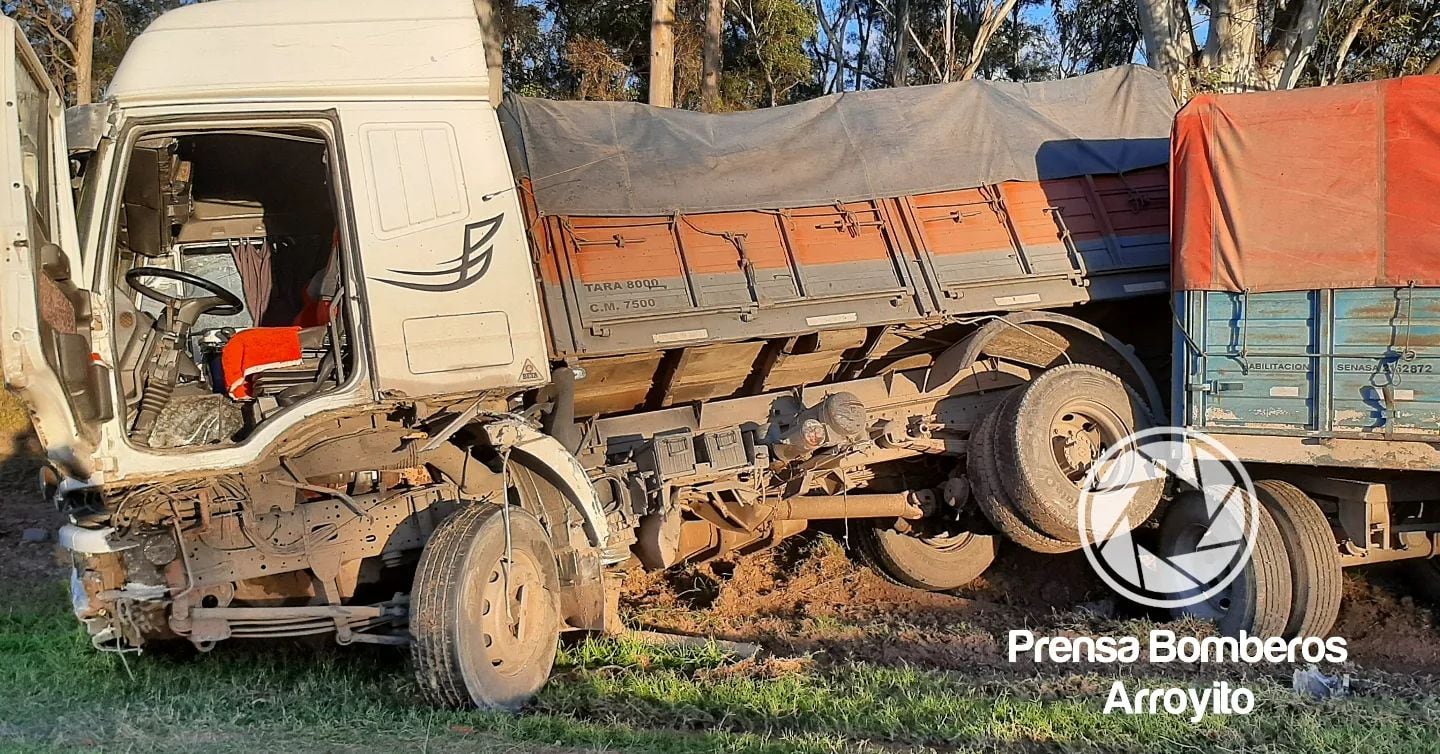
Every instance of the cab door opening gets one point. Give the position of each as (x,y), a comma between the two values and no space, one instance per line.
(229,283)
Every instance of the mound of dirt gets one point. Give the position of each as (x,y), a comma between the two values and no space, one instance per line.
(809,597)
(1386,626)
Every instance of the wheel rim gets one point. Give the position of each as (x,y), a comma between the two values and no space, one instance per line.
(1080,432)
(1217,605)
(947,542)
(510,615)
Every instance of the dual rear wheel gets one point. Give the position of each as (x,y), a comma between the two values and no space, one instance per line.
(1029,458)
(1291,587)
(1026,463)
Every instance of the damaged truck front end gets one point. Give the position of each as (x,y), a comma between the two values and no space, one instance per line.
(258,554)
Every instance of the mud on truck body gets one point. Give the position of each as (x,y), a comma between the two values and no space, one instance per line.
(310,352)
(1307,260)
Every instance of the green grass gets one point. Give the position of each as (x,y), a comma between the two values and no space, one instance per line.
(611,695)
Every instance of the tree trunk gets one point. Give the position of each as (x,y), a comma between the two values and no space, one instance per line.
(710,63)
(83,37)
(949,39)
(835,41)
(494,49)
(1343,51)
(901,34)
(989,24)
(1232,44)
(1291,42)
(1169,43)
(662,53)
(862,56)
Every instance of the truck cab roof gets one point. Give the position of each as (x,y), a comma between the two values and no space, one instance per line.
(269,50)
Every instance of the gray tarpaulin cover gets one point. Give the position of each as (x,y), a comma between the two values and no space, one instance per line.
(625,158)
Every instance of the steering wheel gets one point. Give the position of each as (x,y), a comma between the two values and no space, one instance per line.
(220,302)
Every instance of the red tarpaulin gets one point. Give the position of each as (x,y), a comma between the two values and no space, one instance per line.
(1329,187)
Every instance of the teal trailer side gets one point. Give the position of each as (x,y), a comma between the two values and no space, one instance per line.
(1358,363)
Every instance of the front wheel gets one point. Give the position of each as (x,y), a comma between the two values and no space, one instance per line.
(484,622)
(944,560)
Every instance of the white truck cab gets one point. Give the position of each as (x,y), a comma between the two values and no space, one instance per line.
(357,189)
(295,241)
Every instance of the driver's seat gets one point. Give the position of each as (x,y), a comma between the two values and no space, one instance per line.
(268,360)
(317,366)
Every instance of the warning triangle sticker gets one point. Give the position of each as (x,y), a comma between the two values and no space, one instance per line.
(529,372)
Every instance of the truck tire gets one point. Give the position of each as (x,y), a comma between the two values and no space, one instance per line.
(481,637)
(1258,600)
(991,498)
(1051,434)
(1316,580)
(933,563)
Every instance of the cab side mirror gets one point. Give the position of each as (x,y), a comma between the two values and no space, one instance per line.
(85,125)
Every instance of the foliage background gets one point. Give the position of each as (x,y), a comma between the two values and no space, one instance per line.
(779,51)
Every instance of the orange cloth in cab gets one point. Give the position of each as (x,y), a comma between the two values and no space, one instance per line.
(256,350)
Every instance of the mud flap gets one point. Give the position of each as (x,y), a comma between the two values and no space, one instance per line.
(581,560)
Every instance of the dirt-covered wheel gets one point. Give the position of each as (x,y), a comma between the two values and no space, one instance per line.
(485,623)
(1257,601)
(1317,582)
(1053,432)
(990,496)
(934,561)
